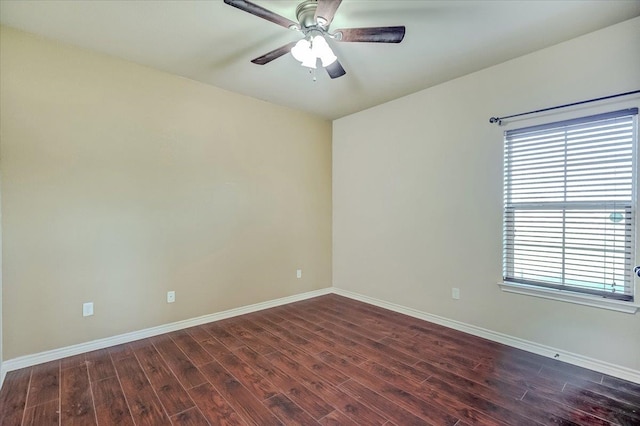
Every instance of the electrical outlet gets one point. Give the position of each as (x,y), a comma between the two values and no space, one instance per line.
(455,293)
(298,273)
(171,296)
(87,309)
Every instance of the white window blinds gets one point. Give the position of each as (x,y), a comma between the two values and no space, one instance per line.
(569,204)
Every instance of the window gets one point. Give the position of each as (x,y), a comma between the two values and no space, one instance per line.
(569,191)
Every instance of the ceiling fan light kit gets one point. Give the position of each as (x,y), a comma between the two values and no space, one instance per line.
(314,18)
(307,52)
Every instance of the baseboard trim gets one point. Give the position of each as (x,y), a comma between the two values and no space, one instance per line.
(54,354)
(547,351)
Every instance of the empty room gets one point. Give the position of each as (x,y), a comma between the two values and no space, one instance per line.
(333,212)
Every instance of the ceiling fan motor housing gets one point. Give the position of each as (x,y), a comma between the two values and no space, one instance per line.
(306,14)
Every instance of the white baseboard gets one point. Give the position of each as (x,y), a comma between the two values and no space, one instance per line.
(54,354)
(571,358)
(547,351)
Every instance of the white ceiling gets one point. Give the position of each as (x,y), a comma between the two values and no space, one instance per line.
(212,42)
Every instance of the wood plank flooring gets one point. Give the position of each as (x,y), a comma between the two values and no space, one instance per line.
(328,361)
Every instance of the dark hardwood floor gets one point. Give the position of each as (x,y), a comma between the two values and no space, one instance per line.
(328,360)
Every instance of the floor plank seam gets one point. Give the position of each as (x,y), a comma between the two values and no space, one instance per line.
(124,396)
(26,399)
(59,393)
(93,401)
(153,388)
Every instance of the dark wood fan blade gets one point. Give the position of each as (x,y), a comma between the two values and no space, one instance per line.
(261,12)
(335,70)
(371,35)
(274,54)
(326,10)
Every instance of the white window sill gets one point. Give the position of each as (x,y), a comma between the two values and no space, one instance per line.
(565,296)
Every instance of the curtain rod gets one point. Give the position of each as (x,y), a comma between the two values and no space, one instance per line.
(498,120)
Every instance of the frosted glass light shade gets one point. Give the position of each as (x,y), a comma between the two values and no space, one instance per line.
(322,50)
(302,50)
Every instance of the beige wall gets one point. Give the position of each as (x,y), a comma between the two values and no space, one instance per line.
(417,194)
(120,183)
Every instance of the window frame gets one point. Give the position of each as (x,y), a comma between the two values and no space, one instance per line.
(563,293)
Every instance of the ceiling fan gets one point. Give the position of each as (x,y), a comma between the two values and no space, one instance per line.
(314,18)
